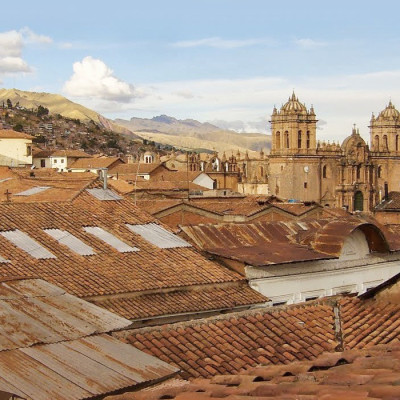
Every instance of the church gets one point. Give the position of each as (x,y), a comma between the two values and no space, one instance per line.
(351,175)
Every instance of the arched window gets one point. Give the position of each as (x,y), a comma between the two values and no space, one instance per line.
(358,171)
(379,171)
(299,139)
(385,142)
(278,140)
(376,143)
(308,140)
(324,171)
(397,142)
(261,171)
(287,139)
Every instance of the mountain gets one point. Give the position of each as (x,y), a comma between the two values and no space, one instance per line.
(58,104)
(193,134)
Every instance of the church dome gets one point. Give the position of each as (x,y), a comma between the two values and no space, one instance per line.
(389,112)
(293,105)
(353,141)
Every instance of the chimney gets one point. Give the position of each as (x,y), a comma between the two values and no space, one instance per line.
(104,173)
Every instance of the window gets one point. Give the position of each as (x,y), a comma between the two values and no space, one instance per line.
(55,161)
(299,140)
(324,171)
(397,142)
(308,140)
(385,142)
(358,171)
(278,140)
(287,139)
(379,172)
(62,161)
(28,150)
(376,143)
(305,185)
(42,163)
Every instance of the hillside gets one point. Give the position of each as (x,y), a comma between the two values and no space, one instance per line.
(58,104)
(190,133)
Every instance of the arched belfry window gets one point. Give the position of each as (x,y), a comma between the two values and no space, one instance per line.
(286,139)
(324,171)
(299,139)
(308,140)
(379,171)
(376,143)
(397,142)
(385,142)
(278,140)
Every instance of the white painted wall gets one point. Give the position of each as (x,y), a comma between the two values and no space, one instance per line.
(204,180)
(355,271)
(15,152)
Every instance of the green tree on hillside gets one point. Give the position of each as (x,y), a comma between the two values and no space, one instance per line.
(42,111)
(9,104)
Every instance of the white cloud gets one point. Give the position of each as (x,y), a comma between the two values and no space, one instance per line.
(93,78)
(217,42)
(12,44)
(309,43)
(32,37)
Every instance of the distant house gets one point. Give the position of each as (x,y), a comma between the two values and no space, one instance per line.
(15,148)
(57,159)
(94,164)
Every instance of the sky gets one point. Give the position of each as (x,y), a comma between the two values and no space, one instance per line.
(226,62)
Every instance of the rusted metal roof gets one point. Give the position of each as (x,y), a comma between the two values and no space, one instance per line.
(34,311)
(264,243)
(53,346)
(79,369)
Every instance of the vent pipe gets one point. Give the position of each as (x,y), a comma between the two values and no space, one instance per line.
(104,173)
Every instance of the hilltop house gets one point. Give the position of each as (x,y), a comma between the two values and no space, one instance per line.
(15,148)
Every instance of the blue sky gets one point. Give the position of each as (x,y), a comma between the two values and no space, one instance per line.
(224,61)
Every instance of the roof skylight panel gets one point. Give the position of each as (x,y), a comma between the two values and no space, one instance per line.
(110,239)
(104,195)
(31,191)
(72,242)
(27,244)
(157,235)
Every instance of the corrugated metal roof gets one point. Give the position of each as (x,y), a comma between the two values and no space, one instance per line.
(31,191)
(157,235)
(79,369)
(33,311)
(110,239)
(26,243)
(104,195)
(70,241)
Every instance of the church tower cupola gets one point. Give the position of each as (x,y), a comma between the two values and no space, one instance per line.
(293,128)
(385,130)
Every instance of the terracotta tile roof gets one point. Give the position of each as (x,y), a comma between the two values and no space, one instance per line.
(168,185)
(154,206)
(369,374)
(134,168)
(232,343)
(390,204)
(93,163)
(296,208)
(188,301)
(370,322)
(108,272)
(61,186)
(174,176)
(10,134)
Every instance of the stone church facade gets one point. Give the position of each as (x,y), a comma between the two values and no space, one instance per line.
(350,175)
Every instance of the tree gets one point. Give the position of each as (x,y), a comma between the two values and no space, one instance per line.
(42,111)
(9,104)
(18,128)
